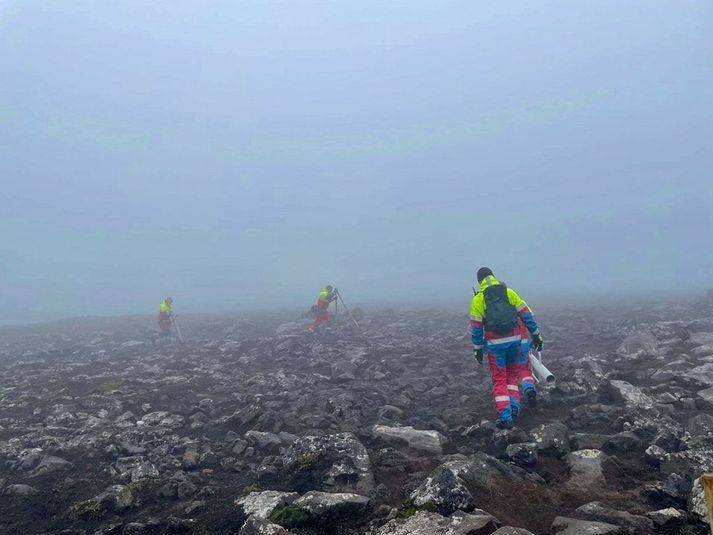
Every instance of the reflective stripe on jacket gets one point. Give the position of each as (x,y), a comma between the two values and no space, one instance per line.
(477,312)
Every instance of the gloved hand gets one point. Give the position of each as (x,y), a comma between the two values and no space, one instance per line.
(478,355)
(537,342)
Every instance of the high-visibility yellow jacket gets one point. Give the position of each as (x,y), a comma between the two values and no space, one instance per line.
(326,296)
(477,313)
(165,307)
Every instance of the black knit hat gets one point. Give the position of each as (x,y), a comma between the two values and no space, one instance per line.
(484,272)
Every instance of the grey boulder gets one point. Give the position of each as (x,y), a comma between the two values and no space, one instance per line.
(551,438)
(586,470)
(666,517)
(259,526)
(330,463)
(629,395)
(444,489)
(424,523)
(262,504)
(332,505)
(572,526)
(634,524)
(49,464)
(427,441)
(20,490)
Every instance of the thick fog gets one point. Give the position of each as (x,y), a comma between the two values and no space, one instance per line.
(240,155)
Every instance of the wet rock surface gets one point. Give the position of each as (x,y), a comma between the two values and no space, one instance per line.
(254,427)
(424,523)
(422,440)
(263,504)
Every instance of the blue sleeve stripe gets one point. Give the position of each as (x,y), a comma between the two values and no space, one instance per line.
(477,336)
(529,321)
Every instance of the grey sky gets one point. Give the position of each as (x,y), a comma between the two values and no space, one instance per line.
(240,155)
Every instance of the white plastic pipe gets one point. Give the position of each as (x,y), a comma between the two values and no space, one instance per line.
(542,374)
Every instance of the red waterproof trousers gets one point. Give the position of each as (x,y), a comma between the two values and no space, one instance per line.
(164,323)
(504,360)
(527,380)
(322,314)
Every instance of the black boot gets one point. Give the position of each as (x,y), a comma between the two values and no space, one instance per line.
(503,424)
(531,398)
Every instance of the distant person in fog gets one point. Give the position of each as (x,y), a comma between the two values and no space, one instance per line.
(326,296)
(165,316)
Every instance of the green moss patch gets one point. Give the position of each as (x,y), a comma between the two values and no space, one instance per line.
(83,509)
(290,517)
(408,508)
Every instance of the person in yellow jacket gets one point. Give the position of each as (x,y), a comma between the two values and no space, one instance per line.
(326,296)
(494,314)
(165,316)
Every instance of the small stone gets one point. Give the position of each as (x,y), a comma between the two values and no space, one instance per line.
(115,498)
(654,455)
(522,454)
(191,458)
(239,446)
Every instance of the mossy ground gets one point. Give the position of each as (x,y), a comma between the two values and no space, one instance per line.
(408,508)
(247,489)
(290,517)
(307,461)
(83,509)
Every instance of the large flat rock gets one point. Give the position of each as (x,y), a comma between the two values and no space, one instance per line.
(572,526)
(424,523)
(263,503)
(428,441)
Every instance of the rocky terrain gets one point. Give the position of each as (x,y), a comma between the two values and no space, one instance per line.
(253,427)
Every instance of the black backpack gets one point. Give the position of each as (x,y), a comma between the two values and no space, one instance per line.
(500,315)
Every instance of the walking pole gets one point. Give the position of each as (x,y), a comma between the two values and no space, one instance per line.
(339,295)
(178,329)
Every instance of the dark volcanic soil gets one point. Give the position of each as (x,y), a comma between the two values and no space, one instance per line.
(105,429)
